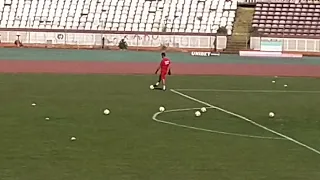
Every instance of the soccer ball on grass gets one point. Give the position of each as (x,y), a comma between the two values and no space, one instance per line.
(161,109)
(106,112)
(197,113)
(203,109)
(271,114)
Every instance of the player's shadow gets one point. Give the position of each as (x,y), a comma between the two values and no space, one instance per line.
(158,88)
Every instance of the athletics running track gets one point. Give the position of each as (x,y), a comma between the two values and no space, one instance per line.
(82,67)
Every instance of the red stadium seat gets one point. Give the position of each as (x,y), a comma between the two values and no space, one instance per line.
(288,18)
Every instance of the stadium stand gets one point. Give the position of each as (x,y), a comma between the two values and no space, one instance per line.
(287,19)
(193,16)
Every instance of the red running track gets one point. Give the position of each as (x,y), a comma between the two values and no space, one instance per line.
(82,67)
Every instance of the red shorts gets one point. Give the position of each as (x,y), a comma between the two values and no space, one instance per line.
(163,75)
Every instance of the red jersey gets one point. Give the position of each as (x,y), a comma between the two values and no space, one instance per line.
(165,63)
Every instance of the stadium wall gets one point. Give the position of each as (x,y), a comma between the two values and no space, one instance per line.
(93,39)
(288,44)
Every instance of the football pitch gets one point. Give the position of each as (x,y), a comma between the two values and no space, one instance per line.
(234,139)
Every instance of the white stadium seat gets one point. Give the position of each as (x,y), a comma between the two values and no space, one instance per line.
(204,16)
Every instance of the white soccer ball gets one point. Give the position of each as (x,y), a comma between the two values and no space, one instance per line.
(73,138)
(161,109)
(203,109)
(285,85)
(151,87)
(106,111)
(273,81)
(197,113)
(271,114)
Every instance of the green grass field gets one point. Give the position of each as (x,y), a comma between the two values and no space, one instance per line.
(129,145)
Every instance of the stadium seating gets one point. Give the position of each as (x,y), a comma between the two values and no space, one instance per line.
(287,19)
(198,16)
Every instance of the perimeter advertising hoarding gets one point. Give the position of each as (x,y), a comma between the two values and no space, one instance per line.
(269,54)
(204,54)
(271,44)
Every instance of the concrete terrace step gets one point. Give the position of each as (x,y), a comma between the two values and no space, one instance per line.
(240,36)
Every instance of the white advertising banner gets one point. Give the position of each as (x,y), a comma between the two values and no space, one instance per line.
(271,44)
(144,40)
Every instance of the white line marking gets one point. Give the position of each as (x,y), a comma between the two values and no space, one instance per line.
(154,117)
(247,91)
(246,119)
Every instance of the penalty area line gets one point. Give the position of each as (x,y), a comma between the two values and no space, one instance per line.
(247,120)
(155,118)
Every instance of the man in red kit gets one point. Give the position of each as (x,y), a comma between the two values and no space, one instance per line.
(165,69)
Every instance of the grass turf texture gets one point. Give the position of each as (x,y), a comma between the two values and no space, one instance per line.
(127,144)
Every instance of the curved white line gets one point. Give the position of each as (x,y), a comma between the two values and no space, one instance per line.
(154,117)
(247,120)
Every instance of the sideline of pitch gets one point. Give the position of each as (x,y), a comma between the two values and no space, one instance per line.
(247,91)
(247,120)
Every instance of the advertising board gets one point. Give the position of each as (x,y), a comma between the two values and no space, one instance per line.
(271,44)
